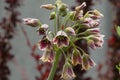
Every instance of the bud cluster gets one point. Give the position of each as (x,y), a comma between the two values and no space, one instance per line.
(66,32)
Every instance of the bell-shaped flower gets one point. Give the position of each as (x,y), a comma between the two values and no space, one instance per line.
(42,29)
(95,14)
(90,23)
(31,22)
(76,57)
(44,44)
(95,41)
(93,31)
(91,44)
(70,31)
(61,39)
(67,72)
(87,62)
(48,55)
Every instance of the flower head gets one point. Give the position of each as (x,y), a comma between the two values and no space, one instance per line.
(44,44)
(42,29)
(76,57)
(67,72)
(48,55)
(61,39)
(31,22)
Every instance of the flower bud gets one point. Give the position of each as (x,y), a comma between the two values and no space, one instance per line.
(78,8)
(97,13)
(72,15)
(58,3)
(52,15)
(70,31)
(47,6)
(62,13)
(62,7)
(32,22)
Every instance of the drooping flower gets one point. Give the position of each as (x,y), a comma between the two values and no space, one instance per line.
(48,55)
(95,41)
(61,39)
(76,57)
(93,31)
(67,72)
(87,62)
(95,14)
(44,44)
(42,29)
(90,23)
(70,31)
(31,22)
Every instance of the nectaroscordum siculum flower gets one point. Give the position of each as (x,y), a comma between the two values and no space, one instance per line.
(87,62)
(44,44)
(48,55)
(61,39)
(95,41)
(67,72)
(76,57)
(42,29)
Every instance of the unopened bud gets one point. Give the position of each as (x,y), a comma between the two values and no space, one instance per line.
(52,15)
(72,15)
(78,8)
(70,31)
(62,13)
(58,2)
(62,7)
(32,22)
(97,13)
(47,6)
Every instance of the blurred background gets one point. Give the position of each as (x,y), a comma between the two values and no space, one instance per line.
(19,54)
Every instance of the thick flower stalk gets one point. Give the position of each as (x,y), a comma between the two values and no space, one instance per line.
(66,32)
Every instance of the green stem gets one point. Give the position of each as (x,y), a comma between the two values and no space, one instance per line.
(54,66)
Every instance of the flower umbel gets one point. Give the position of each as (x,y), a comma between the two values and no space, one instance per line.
(69,28)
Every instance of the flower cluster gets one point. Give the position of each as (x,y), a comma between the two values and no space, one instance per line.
(66,32)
